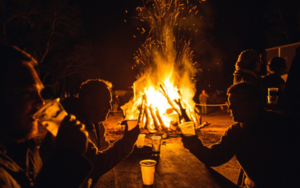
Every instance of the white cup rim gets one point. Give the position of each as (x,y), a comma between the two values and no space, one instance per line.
(155,137)
(153,162)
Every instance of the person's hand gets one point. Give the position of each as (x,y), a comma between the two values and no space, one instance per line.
(72,134)
(190,142)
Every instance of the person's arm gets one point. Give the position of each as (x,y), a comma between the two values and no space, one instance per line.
(216,154)
(67,167)
(106,160)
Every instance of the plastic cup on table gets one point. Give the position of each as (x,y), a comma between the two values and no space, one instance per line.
(187,128)
(156,143)
(140,141)
(148,171)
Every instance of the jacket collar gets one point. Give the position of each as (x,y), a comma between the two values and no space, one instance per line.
(249,72)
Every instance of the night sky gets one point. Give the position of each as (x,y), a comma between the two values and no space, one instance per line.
(229,27)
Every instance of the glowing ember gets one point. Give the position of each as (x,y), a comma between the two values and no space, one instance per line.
(166,67)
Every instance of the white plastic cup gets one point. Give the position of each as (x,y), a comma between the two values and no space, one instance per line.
(140,141)
(272,95)
(131,124)
(148,171)
(51,116)
(131,116)
(187,128)
(156,143)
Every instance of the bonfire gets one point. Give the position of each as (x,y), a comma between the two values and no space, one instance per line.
(164,89)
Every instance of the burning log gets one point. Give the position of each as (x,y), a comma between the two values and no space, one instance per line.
(165,94)
(147,118)
(154,118)
(165,65)
(160,119)
(142,110)
(183,117)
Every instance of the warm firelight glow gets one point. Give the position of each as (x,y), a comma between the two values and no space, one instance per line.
(166,66)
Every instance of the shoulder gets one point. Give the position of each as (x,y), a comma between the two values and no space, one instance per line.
(235,127)
(233,134)
(234,130)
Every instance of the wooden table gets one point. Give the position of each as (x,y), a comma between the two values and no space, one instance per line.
(176,167)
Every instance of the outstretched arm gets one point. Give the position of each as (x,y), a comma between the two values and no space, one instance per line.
(216,154)
(106,160)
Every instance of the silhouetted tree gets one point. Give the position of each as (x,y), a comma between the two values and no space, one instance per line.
(49,30)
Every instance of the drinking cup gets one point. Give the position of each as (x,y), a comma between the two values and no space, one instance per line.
(140,141)
(132,116)
(148,170)
(187,128)
(131,124)
(272,95)
(156,143)
(132,120)
(51,116)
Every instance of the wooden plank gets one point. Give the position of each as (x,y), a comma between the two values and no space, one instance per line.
(178,173)
(107,180)
(176,167)
(128,173)
(216,179)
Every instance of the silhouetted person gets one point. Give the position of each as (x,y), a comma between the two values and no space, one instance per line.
(20,162)
(255,139)
(203,101)
(277,67)
(292,87)
(292,110)
(92,108)
(247,67)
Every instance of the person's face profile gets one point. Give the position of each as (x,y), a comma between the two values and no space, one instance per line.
(97,106)
(22,99)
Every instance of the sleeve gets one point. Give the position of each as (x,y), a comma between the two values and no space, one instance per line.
(106,160)
(66,168)
(216,154)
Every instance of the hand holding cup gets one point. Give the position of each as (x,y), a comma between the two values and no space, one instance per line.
(72,134)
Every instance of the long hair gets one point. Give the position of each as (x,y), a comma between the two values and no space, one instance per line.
(247,60)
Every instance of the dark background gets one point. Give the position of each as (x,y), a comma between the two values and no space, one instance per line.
(226,28)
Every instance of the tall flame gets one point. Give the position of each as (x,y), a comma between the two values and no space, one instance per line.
(165,60)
